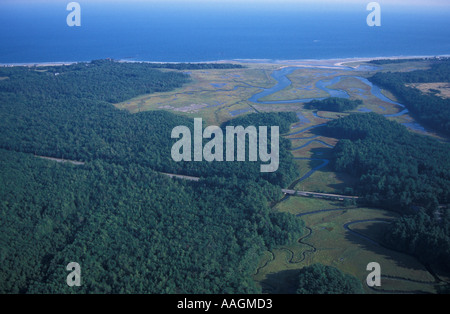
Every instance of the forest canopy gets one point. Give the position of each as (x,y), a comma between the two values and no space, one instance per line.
(131,229)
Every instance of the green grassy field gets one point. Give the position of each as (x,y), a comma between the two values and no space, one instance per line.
(325,180)
(329,243)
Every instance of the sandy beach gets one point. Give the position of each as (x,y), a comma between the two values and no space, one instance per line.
(38,64)
(300,62)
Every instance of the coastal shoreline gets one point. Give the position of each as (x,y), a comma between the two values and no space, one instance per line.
(298,62)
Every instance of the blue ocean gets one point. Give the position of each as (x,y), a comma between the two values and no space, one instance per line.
(185,31)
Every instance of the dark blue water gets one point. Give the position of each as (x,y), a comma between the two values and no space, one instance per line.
(280,77)
(36,31)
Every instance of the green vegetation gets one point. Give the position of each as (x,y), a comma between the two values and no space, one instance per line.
(328,242)
(397,169)
(433,111)
(71,116)
(401,171)
(390,61)
(320,279)
(131,229)
(134,230)
(425,236)
(281,119)
(287,171)
(334,104)
(197,66)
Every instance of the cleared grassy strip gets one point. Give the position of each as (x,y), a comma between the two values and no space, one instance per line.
(326,180)
(301,205)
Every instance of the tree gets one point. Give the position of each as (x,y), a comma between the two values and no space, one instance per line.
(321,279)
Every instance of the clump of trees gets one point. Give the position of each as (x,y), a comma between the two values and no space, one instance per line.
(426,236)
(322,279)
(335,104)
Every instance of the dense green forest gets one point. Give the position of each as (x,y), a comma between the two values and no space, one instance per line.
(287,171)
(426,236)
(197,66)
(401,171)
(433,111)
(397,61)
(335,104)
(131,229)
(321,279)
(70,116)
(397,169)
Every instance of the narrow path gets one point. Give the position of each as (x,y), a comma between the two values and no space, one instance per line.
(74,162)
(179,176)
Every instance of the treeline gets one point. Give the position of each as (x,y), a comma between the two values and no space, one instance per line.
(335,104)
(197,66)
(431,110)
(100,80)
(131,229)
(401,171)
(397,61)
